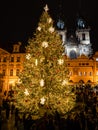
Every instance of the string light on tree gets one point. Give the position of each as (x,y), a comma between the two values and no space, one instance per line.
(44,44)
(42,59)
(64,82)
(36,62)
(28,56)
(42,82)
(26,92)
(60,61)
(19,81)
(51,29)
(39,28)
(42,101)
(49,20)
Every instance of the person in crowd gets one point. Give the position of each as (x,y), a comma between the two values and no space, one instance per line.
(0,117)
(7,109)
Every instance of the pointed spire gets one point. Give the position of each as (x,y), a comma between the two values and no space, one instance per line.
(46,8)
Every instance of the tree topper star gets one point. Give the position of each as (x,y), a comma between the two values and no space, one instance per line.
(46,8)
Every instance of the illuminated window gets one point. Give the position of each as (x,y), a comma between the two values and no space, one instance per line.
(96,59)
(80,73)
(97,73)
(70,73)
(11,72)
(85,73)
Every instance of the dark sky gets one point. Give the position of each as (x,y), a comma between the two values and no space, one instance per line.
(19,18)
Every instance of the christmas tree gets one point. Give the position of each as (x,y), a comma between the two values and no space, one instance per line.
(42,86)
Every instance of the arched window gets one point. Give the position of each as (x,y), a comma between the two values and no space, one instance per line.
(81,81)
(89,81)
(83,36)
(73,54)
(70,81)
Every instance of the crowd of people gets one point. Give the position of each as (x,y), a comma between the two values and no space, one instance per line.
(83,117)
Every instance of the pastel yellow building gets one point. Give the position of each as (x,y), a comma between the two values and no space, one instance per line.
(10,65)
(82,69)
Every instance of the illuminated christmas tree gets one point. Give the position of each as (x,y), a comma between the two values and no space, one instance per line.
(42,87)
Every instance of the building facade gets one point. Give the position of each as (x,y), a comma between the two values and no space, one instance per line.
(11,64)
(82,69)
(77,43)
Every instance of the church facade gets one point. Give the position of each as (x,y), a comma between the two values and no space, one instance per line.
(76,44)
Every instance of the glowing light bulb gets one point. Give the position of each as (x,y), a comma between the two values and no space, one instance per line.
(42,101)
(39,28)
(42,82)
(45,44)
(60,61)
(26,92)
(36,62)
(28,56)
(64,82)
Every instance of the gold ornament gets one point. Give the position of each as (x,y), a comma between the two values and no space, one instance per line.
(60,61)
(42,101)
(51,29)
(45,44)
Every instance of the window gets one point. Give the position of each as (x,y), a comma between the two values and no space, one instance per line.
(75,71)
(80,73)
(70,73)
(83,63)
(4,59)
(96,65)
(97,73)
(4,72)
(96,59)
(11,72)
(83,36)
(18,59)
(90,73)
(17,72)
(87,63)
(12,59)
(73,54)
(85,73)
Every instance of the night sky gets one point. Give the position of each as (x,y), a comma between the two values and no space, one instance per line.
(19,18)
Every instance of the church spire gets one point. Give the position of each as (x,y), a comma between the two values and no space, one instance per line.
(60,10)
(60,22)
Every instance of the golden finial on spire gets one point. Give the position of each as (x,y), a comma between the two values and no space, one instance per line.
(46,8)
